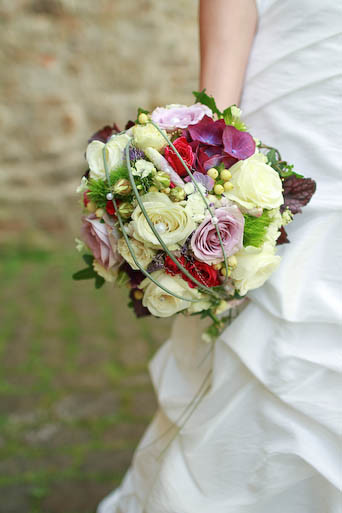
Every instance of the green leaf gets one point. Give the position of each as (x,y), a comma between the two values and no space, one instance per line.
(88,259)
(271,157)
(98,189)
(84,274)
(228,116)
(255,229)
(99,281)
(209,101)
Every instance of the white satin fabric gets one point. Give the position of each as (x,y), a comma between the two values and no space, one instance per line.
(266,436)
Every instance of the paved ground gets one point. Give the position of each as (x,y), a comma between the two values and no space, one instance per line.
(75,396)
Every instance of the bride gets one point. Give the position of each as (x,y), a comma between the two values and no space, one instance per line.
(252,424)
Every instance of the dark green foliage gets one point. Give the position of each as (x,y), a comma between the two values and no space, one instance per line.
(209,101)
(89,273)
(255,229)
(232,120)
(281,166)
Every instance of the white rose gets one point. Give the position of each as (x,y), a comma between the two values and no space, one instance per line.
(114,155)
(143,254)
(162,304)
(254,266)
(143,168)
(171,220)
(256,184)
(147,136)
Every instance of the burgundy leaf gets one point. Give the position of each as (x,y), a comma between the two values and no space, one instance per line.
(282,239)
(237,144)
(135,276)
(104,133)
(297,193)
(208,131)
(129,124)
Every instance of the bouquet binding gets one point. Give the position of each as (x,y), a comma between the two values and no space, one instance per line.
(212,183)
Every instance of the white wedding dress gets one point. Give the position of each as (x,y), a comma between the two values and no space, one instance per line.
(265,437)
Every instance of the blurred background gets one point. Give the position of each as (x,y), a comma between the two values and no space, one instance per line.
(75,395)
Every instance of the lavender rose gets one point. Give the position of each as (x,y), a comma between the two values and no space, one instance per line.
(179,116)
(205,242)
(101,240)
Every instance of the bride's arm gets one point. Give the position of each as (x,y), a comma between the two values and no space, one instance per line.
(227,29)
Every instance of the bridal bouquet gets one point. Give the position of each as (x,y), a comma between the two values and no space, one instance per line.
(186,208)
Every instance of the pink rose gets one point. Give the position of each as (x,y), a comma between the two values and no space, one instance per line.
(205,242)
(101,240)
(180,116)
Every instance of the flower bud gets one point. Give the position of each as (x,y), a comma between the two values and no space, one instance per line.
(218,189)
(213,173)
(222,307)
(143,118)
(126,210)
(99,212)
(225,175)
(211,198)
(228,186)
(162,180)
(122,279)
(138,294)
(224,271)
(91,207)
(217,267)
(177,194)
(122,187)
(232,261)
(153,188)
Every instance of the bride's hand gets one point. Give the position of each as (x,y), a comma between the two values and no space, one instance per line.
(227,29)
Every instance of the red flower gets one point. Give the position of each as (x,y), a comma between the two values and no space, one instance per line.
(185,151)
(85,199)
(171,267)
(110,207)
(203,273)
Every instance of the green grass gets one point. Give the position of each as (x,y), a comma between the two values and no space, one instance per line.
(61,339)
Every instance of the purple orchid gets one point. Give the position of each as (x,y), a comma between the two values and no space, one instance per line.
(214,143)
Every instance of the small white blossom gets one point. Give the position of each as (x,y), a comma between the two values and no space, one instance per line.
(83,187)
(80,246)
(189,188)
(143,168)
(287,216)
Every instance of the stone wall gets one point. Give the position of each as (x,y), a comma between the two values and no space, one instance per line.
(67,67)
